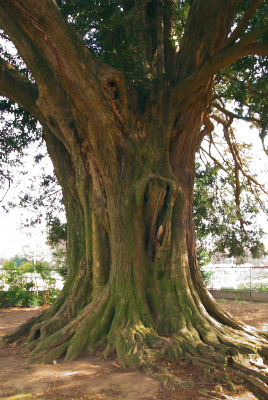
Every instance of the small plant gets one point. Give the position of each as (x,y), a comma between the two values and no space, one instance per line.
(207,276)
(243,286)
(35,300)
(261,287)
(50,296)
(237,299)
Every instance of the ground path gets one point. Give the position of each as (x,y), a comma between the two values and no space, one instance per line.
(94,379)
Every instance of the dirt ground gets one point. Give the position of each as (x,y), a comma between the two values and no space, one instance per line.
(95,379)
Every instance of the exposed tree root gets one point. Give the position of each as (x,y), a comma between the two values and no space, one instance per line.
(82,332)
(58,315)
(222,354)
(258,381)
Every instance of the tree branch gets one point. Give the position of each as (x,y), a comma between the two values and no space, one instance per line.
(81,81)
(187,90)
(61,47)
(7,190)
(235,154)
(236,157)
(18,88)
(27,41)
(209,55)
(243,23)
(254,34)
(208,128)
(27,49)
(214,160)
(260,49)
(230,114)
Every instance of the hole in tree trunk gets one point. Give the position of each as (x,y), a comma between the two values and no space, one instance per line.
(106,259)
(114,89)
(155,206)
(37,334)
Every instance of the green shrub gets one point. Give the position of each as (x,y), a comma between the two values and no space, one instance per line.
(261,287)
(207,275)
(22,291)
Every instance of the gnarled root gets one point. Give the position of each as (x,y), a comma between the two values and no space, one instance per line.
(221,354)
(81,333)
(249,371)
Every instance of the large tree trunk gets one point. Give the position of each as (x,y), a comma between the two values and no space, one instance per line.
(134,288)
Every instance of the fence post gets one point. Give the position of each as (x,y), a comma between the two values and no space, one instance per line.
(250,284)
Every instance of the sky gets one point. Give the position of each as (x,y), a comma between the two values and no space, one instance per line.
(14,239)
(260,160)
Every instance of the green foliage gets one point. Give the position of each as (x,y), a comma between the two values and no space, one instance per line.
(56,239)
(19,277)
(18,287)
(218,220)
(18,131)
(59,258)
(108,31)
(207,276)
(261,287)
(245,84)
(258,287)
(57,231)
(181,10)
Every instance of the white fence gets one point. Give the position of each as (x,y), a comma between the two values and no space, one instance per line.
(244,277)
(55,281)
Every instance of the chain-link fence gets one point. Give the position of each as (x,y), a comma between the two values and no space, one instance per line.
(244,277)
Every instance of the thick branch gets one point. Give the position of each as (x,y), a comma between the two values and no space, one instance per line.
(27,49)
(208,127)
(44,76)
(255,49)
(18,88)
(61,47)
(85,85)
(186,91)
(169,48)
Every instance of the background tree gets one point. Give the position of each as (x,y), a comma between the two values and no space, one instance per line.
(125,105)
(18,128)
(227,226)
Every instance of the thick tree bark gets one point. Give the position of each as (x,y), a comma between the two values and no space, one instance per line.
(134,288)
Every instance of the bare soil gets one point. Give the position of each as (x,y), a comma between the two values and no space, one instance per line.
(92,378)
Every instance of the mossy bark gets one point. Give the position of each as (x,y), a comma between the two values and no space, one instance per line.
(134,289)
(126,168)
